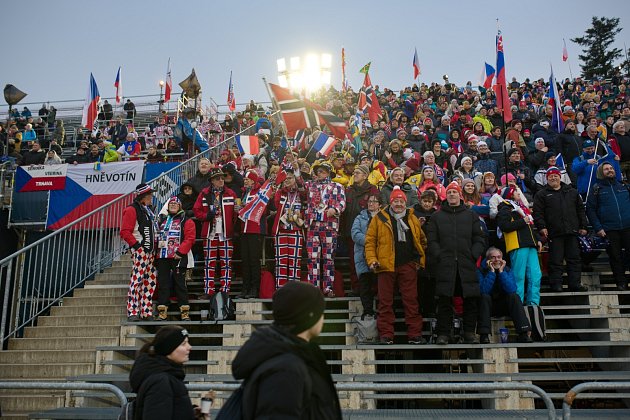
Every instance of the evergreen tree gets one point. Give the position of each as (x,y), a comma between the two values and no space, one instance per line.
(598,59)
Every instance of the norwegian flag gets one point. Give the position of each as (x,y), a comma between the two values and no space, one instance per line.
(169,83)
(368,99)
(254,209)
(299,139)
(231,102)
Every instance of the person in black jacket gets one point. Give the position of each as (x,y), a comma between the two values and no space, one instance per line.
(201,179)
(455,242)
(571,145)
(35,156)
(157,376)
(285,373)
(559,216)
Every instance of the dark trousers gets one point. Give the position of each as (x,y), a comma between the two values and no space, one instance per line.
(172,274)
(445,315)
(251,252)
(564,248)
(406,277)
(426,291)
(502,305)
(618,239)
(367,282)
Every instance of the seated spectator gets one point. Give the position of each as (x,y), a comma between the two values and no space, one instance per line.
(154,156)
(131,148)
(52,158)
(29,135)
(431,181)
(35,156)
(467,171)
(79,157)
(499,298)
(485,162)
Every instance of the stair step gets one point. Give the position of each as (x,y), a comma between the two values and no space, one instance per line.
(85,343)
(113,276)
(72,331)
(101,292)
(48,370)
(18,403)
(102,310)
(94,300)
(70,320)
(47,356)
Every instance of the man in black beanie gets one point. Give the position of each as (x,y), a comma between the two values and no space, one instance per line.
(285,373)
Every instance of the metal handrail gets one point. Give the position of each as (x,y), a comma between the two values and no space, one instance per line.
(82,386)
(39,275)
(573,393)
(453,386)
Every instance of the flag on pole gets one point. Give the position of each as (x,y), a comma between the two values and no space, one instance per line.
(368,99)
(560,161)
(554,100)
(324,144)
(169,83)
(503,100)
(344,81)
(365,69)
(90,108)
(489,75)
(299,140)
(416,64)
(231,102)
(565,53)
(248,145)
(118,86)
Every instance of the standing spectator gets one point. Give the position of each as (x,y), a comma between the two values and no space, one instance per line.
(455,241)
(485,162)
(176,237)
(43,112)
(521,242)
(130,110)
(608,210)
(397,178)
(157,377)
(571,145)
(118,133)
(620,143)
(139,230)
(52,116)
(585,165)
(251,240)
(215,209)
(559,216)
(499,297)
(60,133)
(394,249)
(285,373)
(201,179)
(35,156)
(326,201)
(108,112)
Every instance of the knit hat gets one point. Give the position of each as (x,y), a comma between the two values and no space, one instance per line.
(510,177)
(455,186)
(549,155)
(168,338)
(174,199)
(512,151)
(363,169)
(397,193)
(554,170)
(600,170)
(481,143)
(466,158)
(248,157)
(466,182)
(252,175)
(298,305)
(143,189)
(508,192)
(413,164)
(515,121)
(588,143)
(526,131)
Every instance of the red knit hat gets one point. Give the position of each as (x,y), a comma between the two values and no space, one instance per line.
(455,186)
(553,170)
(397,193)
(252,175)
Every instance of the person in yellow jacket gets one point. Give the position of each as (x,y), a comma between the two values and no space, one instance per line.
(482,117)
(395,249)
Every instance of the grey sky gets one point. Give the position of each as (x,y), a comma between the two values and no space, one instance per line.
(51,47)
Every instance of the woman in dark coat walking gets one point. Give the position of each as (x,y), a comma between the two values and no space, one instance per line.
(455,242)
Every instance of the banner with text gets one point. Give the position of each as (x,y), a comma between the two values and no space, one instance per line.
(40,178)
(88,189)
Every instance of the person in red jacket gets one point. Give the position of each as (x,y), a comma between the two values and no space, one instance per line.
(251,240)
(215,209)
(176,236)
(139,229)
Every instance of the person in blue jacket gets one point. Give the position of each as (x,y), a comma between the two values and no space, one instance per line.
(585,165)
(367,278)
(608,210)
(498,297)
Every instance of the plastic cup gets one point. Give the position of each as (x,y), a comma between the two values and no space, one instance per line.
(504,333)
(204,314)
(206,405)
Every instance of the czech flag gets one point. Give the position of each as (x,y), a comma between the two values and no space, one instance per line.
(416,64)
(489,75)
(556,117)
(248,144)
(90,108)
(324,144)
(118,86)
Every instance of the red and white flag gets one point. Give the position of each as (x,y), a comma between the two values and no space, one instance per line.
(169,83)
(90,107)
(231,102)
(565,53)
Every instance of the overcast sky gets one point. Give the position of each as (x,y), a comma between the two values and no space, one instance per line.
(51,47)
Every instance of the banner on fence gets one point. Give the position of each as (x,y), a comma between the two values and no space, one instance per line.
(87,189)
(40,178)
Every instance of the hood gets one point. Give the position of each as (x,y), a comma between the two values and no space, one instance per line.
(264,344)
(146,365)
(188,184)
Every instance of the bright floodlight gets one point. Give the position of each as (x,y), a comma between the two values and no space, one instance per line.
(283,81)
(282,65)
(296,81)
(295,63)
(326,61)
(325,79)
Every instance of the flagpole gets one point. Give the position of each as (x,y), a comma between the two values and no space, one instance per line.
(275,105)
(503,126)
(568,59)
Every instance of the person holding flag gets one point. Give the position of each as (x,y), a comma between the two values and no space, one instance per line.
(326,201)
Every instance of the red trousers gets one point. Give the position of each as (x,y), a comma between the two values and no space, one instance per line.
(406,277)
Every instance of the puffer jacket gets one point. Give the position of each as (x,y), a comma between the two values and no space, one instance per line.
(608,206)
(561,211)
(359,229)
(517,233)
(379,241)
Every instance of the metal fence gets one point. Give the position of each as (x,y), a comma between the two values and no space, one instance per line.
(39,275)
(600,386)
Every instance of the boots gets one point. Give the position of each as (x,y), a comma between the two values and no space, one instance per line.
(162,316)
(184,311)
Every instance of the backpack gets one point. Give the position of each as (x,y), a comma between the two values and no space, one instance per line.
(536,318)
(365,329)
(222,307)
(267,285)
